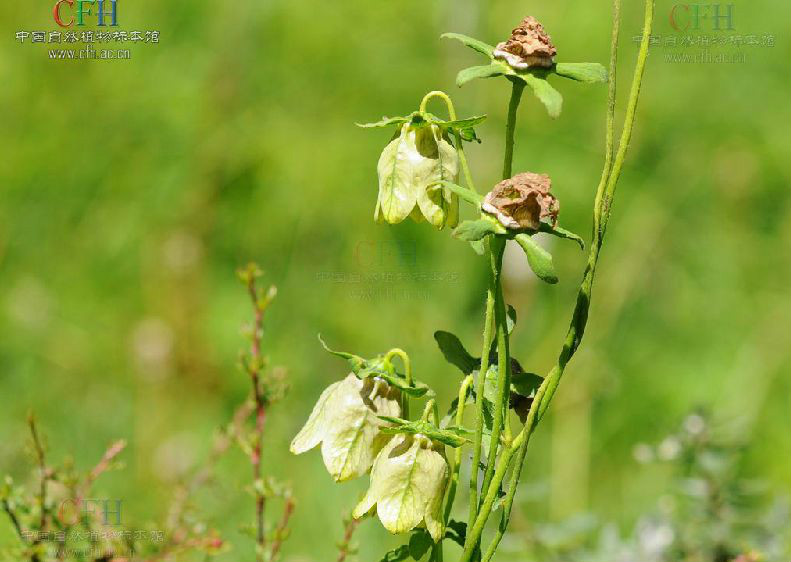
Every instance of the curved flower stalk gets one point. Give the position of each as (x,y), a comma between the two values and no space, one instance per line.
(345,421)
(408,483)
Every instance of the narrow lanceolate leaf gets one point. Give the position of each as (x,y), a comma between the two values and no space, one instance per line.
(386,122)
(477,230)
(539,260)
(454,352)
(544,91)
(397,195)
(475,72)
(467,194)
(451,436)
(562,233)
(588,72)
(460,123)
(355,361)
(480,46)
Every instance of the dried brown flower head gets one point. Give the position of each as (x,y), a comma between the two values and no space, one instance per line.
(529,45)
(522,201)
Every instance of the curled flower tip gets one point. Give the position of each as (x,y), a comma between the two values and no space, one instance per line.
(522,201)
(528,46)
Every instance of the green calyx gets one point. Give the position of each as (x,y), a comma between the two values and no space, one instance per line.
(535,78)
(382,368)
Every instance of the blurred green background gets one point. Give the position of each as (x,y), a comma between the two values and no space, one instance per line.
(131,190)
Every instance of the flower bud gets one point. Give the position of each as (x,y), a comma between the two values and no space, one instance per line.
(409,168)
(408,481)
(522,201)
(528,46)
(345,421)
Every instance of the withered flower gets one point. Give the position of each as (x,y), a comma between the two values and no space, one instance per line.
(528,46)
(522,201)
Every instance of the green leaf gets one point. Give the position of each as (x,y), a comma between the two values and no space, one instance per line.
(544,91)
(588,72)
(386,122)
(397,554)
(478,247)
(419,543)
(457,532)
(475,44)
(476,230)
(355,361)
(415,390)
(510,320)
(451,436)
(539,260)
(460,123)
(562,233)
(467,194)
(475,72)
(454,352)
(525,383)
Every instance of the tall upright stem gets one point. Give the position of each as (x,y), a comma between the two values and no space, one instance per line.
(516,96)
(495,318)
(488,324)
(602,210)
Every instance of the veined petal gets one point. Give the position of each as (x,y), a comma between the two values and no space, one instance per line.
(397,196)
(353,438)
(314,429)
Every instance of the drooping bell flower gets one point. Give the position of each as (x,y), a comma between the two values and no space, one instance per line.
(408,482)
(345,421)
(419,156)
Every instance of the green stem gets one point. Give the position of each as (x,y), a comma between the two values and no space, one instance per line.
(516,96)
(488,324)
(503,361)
(427,411)
(465,168)
(601,217)
(495,305)
(454,475)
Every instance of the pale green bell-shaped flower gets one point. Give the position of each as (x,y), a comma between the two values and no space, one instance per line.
(409,168)
(345,421)
(408,481)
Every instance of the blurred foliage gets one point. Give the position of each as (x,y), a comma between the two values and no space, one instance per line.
(131,190)
(709,513)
